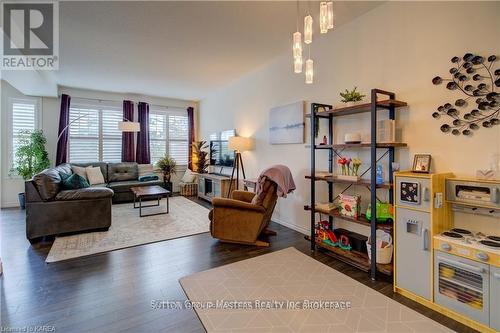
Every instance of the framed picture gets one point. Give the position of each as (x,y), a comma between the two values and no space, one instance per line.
(286,124)
(422,163)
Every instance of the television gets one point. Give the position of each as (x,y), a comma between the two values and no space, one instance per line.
(220,154)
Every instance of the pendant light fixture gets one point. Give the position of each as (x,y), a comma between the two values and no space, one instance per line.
(309,69)
(297,47)
(323,17)
(308,29)
(329,14)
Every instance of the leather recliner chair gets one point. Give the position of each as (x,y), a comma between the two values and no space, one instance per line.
(244,217)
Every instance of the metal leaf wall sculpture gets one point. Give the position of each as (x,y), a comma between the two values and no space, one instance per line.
(474,78)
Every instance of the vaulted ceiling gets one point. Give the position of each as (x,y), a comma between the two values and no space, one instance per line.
(176,49)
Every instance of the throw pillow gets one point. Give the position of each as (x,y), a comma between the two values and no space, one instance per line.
(188,177)
(74,182)
(147,178)
(145,169)
(94,175)
(79,171)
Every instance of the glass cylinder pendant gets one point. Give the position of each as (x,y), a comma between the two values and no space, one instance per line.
(308,29)
(297,64)
(297,45)
(323,18)
(329,14)
(309,71)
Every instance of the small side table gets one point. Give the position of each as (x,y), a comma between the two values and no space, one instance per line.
(147,192)
(250,183)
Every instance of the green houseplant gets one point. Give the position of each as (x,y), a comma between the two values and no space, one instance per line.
(168,167)
(351,97)
(30,157)
(201,156)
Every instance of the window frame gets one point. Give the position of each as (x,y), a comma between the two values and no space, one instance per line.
(167,112)
(10,130)
(101,107)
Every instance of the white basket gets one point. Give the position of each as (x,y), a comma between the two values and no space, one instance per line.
(384,254)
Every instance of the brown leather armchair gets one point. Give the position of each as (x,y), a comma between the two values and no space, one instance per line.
(244,217)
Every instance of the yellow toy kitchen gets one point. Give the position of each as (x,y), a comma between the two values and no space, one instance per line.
(447,246)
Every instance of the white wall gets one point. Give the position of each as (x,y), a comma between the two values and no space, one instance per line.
(11,185)
(398,46)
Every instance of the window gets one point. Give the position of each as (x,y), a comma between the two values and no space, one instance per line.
(24,116)
(168,134)
(94,133)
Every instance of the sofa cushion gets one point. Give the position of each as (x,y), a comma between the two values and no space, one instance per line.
(64,170)
(118,172)
(102,165)
(148,177)
(127,184)
(80,171)
(85,194)
(94,175)
(74,182)
(145,169)
(48,183)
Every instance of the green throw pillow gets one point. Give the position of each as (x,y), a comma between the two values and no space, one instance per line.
(147,178)
(74,182)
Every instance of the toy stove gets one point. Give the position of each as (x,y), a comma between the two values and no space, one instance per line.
(472,245)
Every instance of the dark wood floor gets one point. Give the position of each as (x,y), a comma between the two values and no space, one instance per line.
(113,292)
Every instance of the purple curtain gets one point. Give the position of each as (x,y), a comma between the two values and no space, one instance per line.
(190,112)
(142,154)
(128,137)
(62,143)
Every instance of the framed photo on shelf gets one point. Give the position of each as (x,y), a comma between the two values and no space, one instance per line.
(421,163)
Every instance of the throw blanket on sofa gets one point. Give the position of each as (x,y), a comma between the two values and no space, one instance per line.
(280,175)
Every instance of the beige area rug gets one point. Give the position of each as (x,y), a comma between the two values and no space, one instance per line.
(294,278)
(127,229)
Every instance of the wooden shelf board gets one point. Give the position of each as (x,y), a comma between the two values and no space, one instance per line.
(354,258)
(360,220)
(361,145)
(360,108)
(361,182)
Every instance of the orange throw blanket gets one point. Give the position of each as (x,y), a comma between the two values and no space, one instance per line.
(280,175)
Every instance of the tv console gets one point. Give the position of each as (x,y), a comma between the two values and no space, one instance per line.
(213,185)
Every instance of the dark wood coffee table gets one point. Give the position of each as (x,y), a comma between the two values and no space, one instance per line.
(149,192)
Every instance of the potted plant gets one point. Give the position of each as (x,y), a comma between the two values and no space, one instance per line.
(168,166)
(30,157)
(200,154)
(351,98)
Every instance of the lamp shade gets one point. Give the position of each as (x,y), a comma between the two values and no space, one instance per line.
(240,143)
(129,126)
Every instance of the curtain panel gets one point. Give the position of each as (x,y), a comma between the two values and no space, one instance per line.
(142,153)
(62,143)
(128,153)
(191,136)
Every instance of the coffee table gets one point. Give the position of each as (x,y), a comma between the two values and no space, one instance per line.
(149,192)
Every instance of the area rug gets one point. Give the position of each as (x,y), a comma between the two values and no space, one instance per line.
(288,291)
(127,229)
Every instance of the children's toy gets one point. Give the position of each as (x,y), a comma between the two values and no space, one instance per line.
(380,174)
(349,205)
(325,234)
(346,171)
(344,243)
(385,212)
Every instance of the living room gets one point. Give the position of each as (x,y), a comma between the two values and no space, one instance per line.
(234,166)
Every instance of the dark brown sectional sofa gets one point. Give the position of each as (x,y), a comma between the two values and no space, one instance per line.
(53,211)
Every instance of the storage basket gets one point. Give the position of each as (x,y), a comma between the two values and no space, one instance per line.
(384,254)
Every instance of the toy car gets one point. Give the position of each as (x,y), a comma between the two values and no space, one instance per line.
(385,212)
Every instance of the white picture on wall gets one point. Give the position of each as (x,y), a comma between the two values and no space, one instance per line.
(286,124)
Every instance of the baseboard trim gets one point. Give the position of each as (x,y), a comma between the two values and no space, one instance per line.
(12,204)
(295,227)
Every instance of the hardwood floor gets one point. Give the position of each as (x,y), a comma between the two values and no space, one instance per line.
(113,292)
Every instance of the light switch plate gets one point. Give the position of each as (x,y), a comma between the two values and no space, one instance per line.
(438,200)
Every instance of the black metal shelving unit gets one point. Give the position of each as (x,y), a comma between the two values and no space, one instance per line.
(329,113)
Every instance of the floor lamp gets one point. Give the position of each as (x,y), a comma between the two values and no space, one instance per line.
(239,144)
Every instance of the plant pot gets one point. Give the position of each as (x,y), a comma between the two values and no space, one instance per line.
(22,200)
(349,104)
